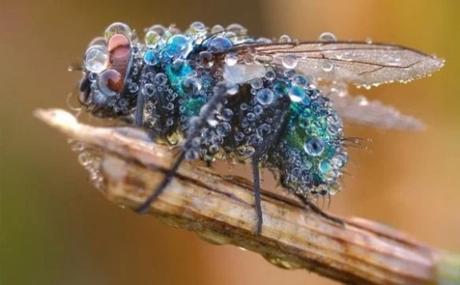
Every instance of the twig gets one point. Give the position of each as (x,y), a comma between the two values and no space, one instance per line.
(125,165)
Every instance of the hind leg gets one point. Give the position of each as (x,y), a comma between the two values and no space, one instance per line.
(320,212)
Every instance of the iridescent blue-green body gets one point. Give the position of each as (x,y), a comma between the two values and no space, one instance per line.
(270,110)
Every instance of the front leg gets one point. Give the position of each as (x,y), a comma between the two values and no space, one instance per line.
(139,114)
(196,125)
(257,201)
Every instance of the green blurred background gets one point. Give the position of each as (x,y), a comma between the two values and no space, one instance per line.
(56,229)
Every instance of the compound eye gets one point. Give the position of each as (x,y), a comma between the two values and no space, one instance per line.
(119,47)
(110,82)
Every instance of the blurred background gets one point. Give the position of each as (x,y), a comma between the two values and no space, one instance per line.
(56,229)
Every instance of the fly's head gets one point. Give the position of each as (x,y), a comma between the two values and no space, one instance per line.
(106,89)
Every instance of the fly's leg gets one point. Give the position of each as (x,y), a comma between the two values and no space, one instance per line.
(268,143)
(257,202)
(139,114)
(220,92)
(320,212)
(162,186)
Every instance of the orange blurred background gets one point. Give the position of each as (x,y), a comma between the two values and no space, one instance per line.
(56,229)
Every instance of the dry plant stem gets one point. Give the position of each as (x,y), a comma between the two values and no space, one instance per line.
(220,209)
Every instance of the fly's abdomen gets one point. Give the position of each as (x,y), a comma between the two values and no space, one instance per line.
(311,155)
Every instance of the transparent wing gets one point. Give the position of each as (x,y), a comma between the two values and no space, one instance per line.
(364,64)
(359,110)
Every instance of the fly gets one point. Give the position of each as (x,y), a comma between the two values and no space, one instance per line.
(219,93)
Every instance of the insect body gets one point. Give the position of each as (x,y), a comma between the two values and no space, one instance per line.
(221,94)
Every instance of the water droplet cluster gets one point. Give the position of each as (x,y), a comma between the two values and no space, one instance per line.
(270,111)
(90,159)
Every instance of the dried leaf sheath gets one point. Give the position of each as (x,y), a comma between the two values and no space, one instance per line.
(221,210)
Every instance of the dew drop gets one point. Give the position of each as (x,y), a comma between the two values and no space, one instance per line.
(246,151)
(152,37)
(263,40)
(314,146)
(148,89)
(327,66)
(281,262)
(220,44)
(212,122)
(160,79)
(290,61)
(233,89)
(159,29)
(214,238)
(85,158)
(324,166)
(96,59)
(227,114)
(257,83)
(327,37)
(299,80)
(338,161)
(231,59)
(192,85)
(98,41)
(133,87)
(334,124)
(150,57)
(217,29)
(205,59)
(117,28)
(244,106)
(284,39)
(296,94)
(251,117)
(197,27)
(237,29)
(263,58)
(270,75)
(177,45)
(362,101)
(265,96)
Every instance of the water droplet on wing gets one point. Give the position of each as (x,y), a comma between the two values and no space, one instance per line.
(327,37)
(237,28)
(327,66)
(231,59)
(217,29)
(290,61)
(220,44)
(284,39)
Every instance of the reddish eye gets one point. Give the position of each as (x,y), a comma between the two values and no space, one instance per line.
(110,81)
(120,51)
